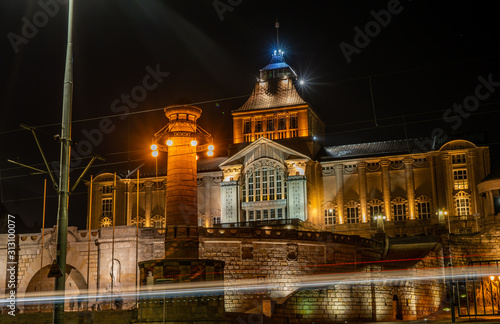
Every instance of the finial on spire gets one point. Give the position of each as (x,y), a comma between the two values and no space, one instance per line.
(277,25)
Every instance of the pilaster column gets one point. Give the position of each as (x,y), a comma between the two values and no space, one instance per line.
(491,203)
(471,179)
(362,190)
(410,186)
(448,179)
(128,207)
(386,188)
(149,197)
(287,121)
(432,170)
(339,186)
(207,181)
(96,206)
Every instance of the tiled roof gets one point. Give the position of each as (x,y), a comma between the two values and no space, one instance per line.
(210,164)
(403,146)
(272,66)
(264,97)
(413,145)
(494,175)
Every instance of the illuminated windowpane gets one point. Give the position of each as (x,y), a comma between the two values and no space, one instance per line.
(400,211)
(330,216)
(460,179)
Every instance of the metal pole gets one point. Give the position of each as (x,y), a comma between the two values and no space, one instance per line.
(137,243)
(43,226)
(88,247)
(113,242)
(62,218)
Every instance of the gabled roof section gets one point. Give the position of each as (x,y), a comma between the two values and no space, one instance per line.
(264,97)
(240,156)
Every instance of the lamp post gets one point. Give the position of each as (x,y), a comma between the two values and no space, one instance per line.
(380,223)
(441,214)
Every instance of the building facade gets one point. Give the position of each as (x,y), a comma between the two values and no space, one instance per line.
(277,170)
(282,208)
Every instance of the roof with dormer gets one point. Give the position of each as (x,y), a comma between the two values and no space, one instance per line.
(263,97)
(274,92)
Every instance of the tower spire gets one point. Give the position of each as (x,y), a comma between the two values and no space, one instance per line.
(277,25)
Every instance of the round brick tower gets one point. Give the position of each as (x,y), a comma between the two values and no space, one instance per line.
(181,139)
(181,236)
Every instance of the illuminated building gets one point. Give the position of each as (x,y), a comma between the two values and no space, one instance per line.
(281,207)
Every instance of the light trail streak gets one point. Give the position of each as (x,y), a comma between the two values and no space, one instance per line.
(216,289)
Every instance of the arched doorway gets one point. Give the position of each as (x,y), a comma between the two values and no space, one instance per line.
(40,283)
(397,312)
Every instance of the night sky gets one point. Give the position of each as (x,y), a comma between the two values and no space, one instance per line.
(428,58)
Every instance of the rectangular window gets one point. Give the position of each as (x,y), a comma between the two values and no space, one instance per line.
(247,127)
(264,184)
(280,213)
(272,214)
(107,207)
(258,215)
(460,179)
(250,187)
(458,158)
(271,184)
(270,124)
(257,185)
(399,212)
(258,126)
(424,210)
(294,121)
(278,186)
(282,123)
(462,206)
(251,216)
(352,215)
(330,216)
(376,210)
(265,214)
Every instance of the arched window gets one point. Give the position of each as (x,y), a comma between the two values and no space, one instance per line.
(399,209)
(158,221)
(264,180)
(142,221)
(265,183)
(106,222)
(462,203)
(376,208)
(330,213)
(424,207)
(352,212)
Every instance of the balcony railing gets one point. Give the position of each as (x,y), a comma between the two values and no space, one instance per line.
(294,222)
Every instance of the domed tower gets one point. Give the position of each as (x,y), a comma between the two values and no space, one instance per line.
(275,110)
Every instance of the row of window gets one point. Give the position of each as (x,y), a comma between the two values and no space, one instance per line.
(263,214)
(399,210)
(271,124)
(263,184)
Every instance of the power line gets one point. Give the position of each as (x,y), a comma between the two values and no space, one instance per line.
(244,96)
(128,114)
